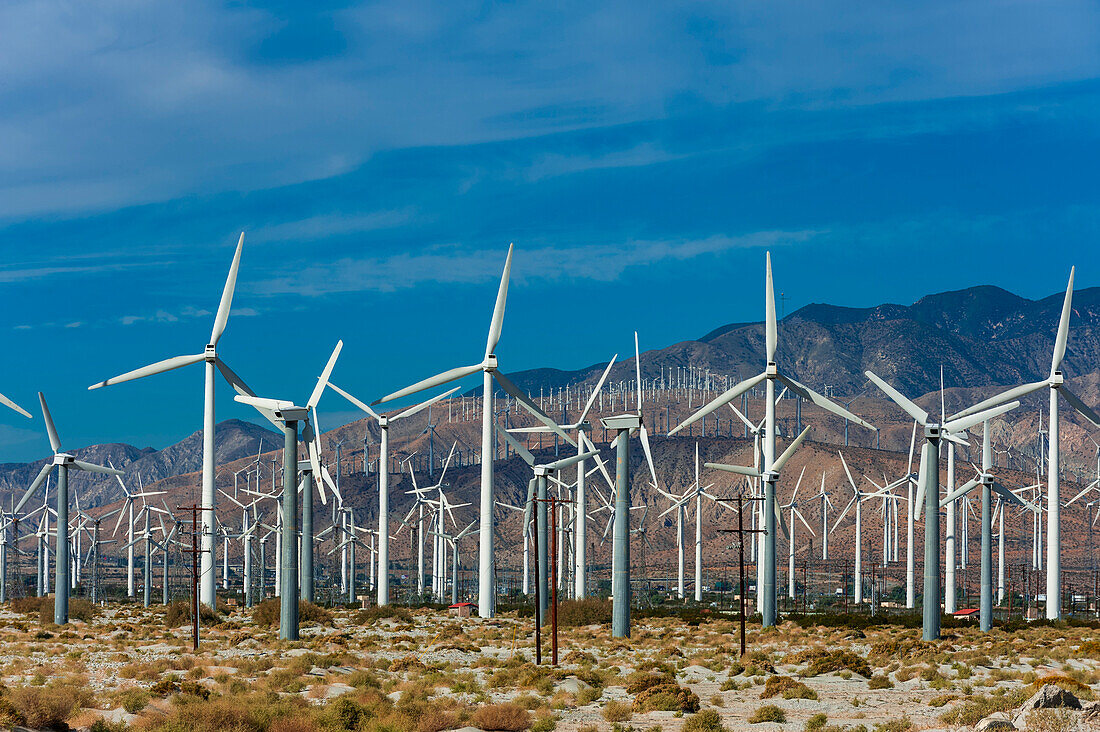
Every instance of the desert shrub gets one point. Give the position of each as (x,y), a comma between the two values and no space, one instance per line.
(816,722)
(293,724)
(492,717)
(382,612)
(705,721)
(134,700)
(1050,720)
(768,713)
(435,720)
(895,725)
(1089,649)
(405,663)
(616,711)
(579,658)
(975,708)
(1062,681)
(43,707)
(102,725)
(344,714)
(639,681)
(823,662)
(310,614)
(787,687)
(879,681)
(268,612)
(165,686)
(590,611)
(666,698)
(179,613)
(589,695)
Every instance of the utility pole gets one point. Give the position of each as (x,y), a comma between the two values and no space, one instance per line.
(741,531)
(195,550)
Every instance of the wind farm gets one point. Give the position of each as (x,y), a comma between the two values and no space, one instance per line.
(564,368)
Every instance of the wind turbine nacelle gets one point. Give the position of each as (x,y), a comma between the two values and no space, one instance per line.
(584,426)
(490,362)
(305,466)
(932,432)
(210,353)
(1057,379)
(292,414)
(770,477)
(622,422)
(772,370)
(63,458)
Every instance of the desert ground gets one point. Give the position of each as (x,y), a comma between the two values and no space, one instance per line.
(423,670)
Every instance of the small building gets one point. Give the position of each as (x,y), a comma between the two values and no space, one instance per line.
(462,609)
(969,613)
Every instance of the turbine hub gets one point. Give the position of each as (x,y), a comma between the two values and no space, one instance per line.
(210,354)
(490,362)
(1057,379)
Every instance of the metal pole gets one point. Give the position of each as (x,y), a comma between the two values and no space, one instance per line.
(580,528)
(1054,517)
(61,573)
(538,592)
(307,535)
(384,518)
(540,526)
(768,598)
(209,497)
(741,552)
(985,612)
(620,576)
(288,610)
(486,590)
(931,600)
(553,584)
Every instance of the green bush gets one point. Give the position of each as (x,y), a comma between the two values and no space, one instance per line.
(179,613)
(879,681)
(816,722)
(768,713)
(787,687)
(381,612)
(666,698)
(268,613)
(134,700)
(705,721)
(590,611)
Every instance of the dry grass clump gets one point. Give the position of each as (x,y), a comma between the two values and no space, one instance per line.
(768,713)
(508,717)
(590,611)
(977,707)
(616,711)
(407,663)
(705,721)
(44,707)
(1068,683)
(666,698)
(267,613)
(372,615)
(179,613)
(79,608)
(880,681)
(823,662)
(786,687)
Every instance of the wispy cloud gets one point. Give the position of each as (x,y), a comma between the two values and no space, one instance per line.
(456,265)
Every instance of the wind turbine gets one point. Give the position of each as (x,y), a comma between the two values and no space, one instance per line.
(989,485)
(770,375)
(1056,384)
(212,362)
(858,498)
(63,462)
(928,488)
(792,506)
(488,366)
(384,482)
(541,471)
(290,414)
(582,426)
(679,504)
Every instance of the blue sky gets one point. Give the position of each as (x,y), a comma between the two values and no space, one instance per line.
(380,158)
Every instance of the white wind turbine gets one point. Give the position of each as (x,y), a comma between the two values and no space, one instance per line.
(581,426)
(212,362)
(792,506)
(858,498)
(128,513)
(486,605)
(63,462)
(384,423)
(679,504)
(770,375)
(928,488)
(823,496)
(1056,384)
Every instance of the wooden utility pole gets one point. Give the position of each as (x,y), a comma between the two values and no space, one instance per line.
(741,531)
(195,550)
(552,502)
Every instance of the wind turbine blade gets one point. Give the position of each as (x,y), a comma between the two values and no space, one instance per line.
(12,405)
(794,494)
(1010,496)
(771,332)
(122,512)
(844,512)
(571,460)
(824,402)
(960,491)
(898,398)
(1005,396)
(740,470)
(589,445)
(804,521)
(262,403)
(55,441)
(425,404)
(912,444)
(529,506)
(958,425)
(497,323)
(778,464)
(520,449)
(322,380)
(1063,327)
(644,437)
(353,400)
(847,471)
(726,397)
(1084,410)
(92,468)
(595,392)
(742,417)
(315,468)
(927,454)
(227,295)
(531,407)
(443,378)
(159,367)
(34,487)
